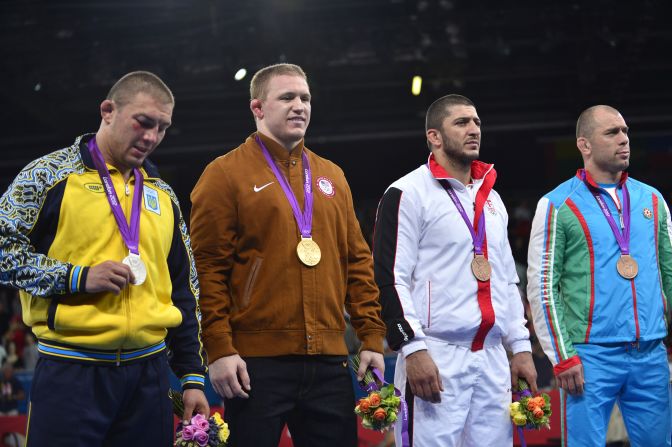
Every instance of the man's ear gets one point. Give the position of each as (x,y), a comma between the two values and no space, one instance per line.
(434,137)
(584,146)
(255,107)
(107,108)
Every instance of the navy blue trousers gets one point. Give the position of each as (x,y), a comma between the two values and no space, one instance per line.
(81,405)
(313,395)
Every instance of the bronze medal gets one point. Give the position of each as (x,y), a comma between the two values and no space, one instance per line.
(627,267)
(480,267)
(308,251)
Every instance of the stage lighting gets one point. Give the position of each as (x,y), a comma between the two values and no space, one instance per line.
(416,85)
(240,74)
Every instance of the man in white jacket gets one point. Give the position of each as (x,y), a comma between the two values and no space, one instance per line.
(448,289)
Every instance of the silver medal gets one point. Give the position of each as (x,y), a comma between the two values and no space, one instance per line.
(137,267)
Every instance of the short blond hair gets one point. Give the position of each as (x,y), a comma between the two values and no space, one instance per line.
(261,78)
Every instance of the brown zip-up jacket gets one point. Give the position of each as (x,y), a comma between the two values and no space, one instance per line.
(257,298)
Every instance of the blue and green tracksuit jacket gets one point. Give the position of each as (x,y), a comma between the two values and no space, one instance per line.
(575,292)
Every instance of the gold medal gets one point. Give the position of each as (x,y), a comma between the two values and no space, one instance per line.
(308,251)
(627,267)
(480,267)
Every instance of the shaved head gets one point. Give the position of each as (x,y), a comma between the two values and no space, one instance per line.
(585,125)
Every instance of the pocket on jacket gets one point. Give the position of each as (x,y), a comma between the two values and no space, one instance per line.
(251,280)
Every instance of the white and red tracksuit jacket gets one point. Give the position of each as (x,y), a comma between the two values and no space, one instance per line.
(422,256)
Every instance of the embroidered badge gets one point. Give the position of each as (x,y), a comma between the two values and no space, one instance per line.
(647,213)
(326,187)
(490,207)
(94,187)
(151,200)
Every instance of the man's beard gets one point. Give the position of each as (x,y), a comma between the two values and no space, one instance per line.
(456,155)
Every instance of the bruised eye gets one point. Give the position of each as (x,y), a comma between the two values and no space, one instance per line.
(146,123)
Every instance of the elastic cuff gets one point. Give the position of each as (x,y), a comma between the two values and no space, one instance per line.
(218,345)
(520,346)
(412,346)
(77,278)
(566,364)
(193,381)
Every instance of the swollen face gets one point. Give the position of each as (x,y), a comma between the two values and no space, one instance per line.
(285,111)
(136,129)
(461,134)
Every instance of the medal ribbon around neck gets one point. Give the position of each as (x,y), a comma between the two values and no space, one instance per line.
(477,235)
(129,233)
(622,238)
(307,250)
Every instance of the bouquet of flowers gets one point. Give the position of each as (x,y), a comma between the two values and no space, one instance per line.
(529,411)
(380,409)
(199,432)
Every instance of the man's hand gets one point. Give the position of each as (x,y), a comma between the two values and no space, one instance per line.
(370,359)
(423,376)
(522,366)
(229,377)
(571,380)
(194,401)
(109,276)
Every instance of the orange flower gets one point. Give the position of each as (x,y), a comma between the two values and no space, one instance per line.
(364,405)
(538,413)
(531,404)
(380,414)
(540,401)
(374,399)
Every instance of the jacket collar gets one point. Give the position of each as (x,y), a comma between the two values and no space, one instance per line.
(479,170)
(276,150)
(581,172)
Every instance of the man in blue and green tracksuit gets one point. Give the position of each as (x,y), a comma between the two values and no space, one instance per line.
(599,281)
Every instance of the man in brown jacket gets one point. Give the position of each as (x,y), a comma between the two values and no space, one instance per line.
(280,254)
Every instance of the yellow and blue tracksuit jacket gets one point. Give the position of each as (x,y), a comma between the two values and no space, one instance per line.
(56,222)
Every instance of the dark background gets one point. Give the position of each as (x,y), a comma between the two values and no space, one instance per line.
(530,66)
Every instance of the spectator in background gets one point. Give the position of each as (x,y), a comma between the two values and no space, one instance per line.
(30,352)
(11,391)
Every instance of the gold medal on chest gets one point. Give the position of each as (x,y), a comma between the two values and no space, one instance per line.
(308,251)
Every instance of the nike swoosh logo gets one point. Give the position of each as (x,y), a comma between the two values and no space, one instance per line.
(261,187)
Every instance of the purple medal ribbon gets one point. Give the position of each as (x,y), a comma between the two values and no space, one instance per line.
(303,219)
(477,237)
(623,239)
(130,234)
(373,386)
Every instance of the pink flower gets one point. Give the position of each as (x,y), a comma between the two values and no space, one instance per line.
(200,422)
(201,437)
(188,433)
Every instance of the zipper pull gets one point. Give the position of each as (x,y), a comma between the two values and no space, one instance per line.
(620,217)
(118,356)
(128,190)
